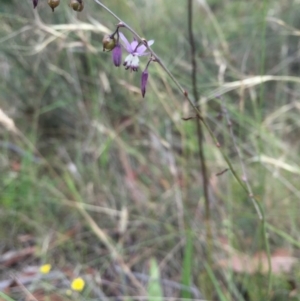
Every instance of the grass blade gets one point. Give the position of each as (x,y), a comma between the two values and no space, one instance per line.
(186,274)
(154,290)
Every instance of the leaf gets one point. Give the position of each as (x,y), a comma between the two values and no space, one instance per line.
(154,288)
(215,282)
(5,297)
(186,273)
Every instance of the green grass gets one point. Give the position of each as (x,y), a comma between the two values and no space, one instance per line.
(137,172)
(154,288)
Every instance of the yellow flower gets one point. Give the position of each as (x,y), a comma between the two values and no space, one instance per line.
(45,269)
(78,284)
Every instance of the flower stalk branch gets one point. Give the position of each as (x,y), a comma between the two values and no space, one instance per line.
(156,58)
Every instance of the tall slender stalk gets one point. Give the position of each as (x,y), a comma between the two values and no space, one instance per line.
(200,136)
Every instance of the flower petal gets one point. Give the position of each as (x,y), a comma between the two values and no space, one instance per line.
(134,45)
(128,60)
(142,54)
(151,42)
(142,48)
(125,41)
(135,63)
(45,269)
(78,284)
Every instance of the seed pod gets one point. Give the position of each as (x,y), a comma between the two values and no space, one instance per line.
(53,4)
(77,5)
(109,43)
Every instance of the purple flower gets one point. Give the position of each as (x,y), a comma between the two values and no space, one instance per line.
(144,80)
(117,55)
(35,3)
(135,50)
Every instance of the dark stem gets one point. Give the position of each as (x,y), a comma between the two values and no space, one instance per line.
(115,32)
(200,136)
(193,51)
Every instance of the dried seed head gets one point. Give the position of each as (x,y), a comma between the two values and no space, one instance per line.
(109,43)
(77,5)
(53,4)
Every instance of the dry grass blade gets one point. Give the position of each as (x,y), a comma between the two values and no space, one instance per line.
(93,208)
(278,163)
(62,31)
(7,122)
(248,83)
(291,30)
(114,253)
(259,263)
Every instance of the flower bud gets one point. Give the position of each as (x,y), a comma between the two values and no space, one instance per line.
(77,5)
(144,80)
(117,55)
(53,4)
(35,3)
(109,43)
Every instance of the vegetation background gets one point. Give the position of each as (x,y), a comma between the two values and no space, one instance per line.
(106,185)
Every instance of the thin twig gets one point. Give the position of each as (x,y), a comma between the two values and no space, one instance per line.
(113,251)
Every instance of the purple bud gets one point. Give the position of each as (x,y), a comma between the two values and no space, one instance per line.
(144,80)
(35,3)
(117,55)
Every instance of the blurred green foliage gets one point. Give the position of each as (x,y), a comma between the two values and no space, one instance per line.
(106,146)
